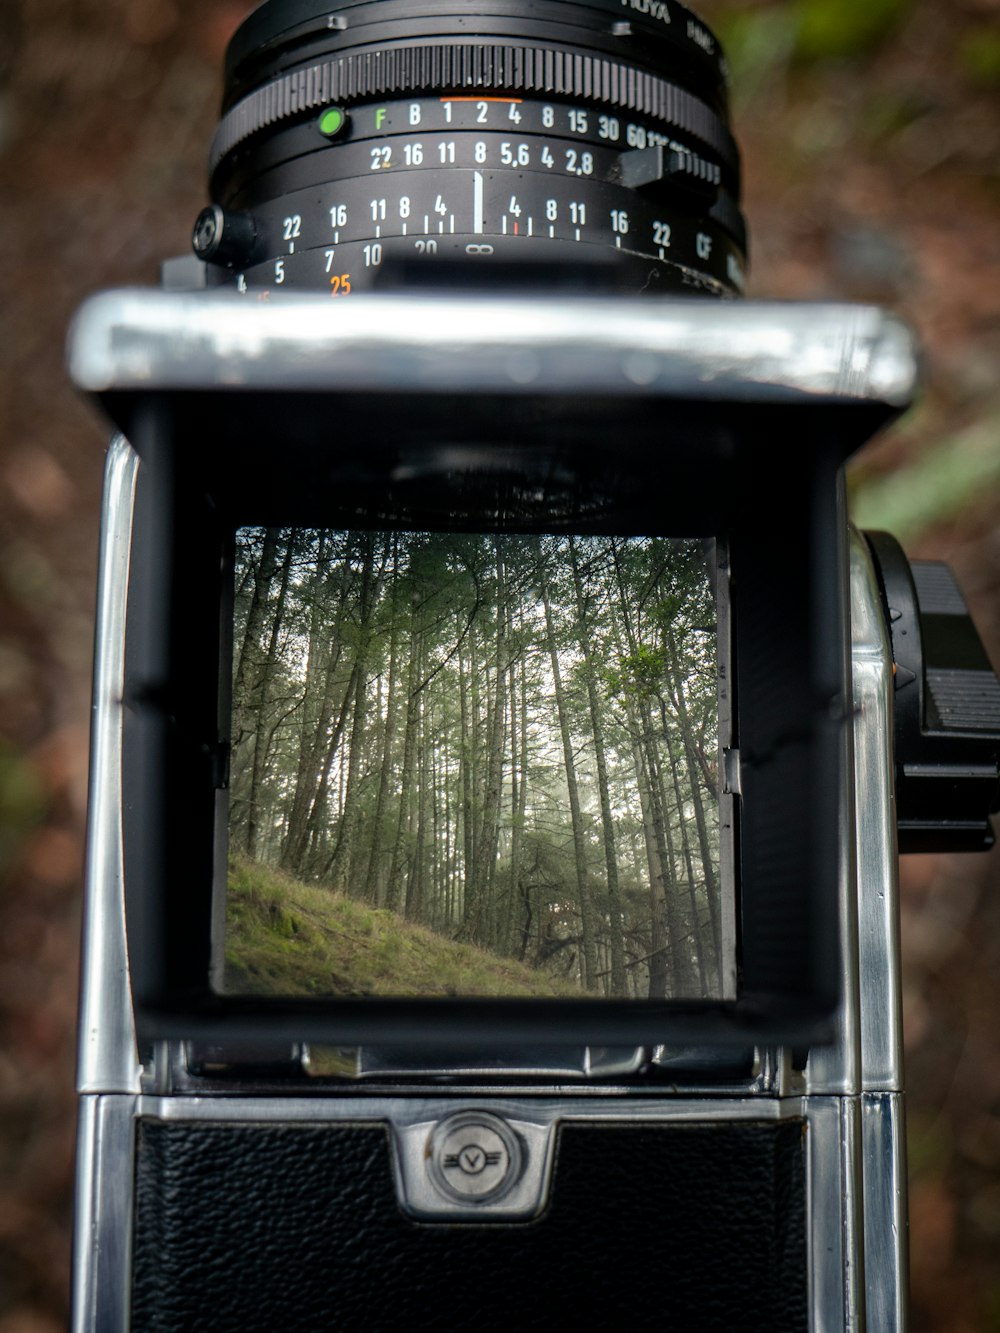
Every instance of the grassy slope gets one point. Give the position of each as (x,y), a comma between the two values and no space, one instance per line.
(288,938)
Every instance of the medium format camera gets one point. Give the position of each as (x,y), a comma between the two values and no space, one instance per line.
(502,740)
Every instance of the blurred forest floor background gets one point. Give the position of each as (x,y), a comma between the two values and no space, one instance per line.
(871,136)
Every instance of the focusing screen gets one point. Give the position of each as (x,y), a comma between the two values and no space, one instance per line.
(474,765)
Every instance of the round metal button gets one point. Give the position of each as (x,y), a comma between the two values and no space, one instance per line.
(474,1157)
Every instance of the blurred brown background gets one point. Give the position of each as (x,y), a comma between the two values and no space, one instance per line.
(871,132)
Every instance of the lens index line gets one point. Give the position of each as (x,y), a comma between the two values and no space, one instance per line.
(477,203)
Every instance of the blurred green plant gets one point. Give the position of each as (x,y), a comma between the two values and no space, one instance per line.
(991,1309)
(929,1144)
(842,28)
(22,803)
(979,55)
(888,111)
(758,45)
(766,38)
(951,478)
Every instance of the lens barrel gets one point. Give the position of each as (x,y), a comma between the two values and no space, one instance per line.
(361,137)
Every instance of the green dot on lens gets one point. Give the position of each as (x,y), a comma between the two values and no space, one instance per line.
(332,121)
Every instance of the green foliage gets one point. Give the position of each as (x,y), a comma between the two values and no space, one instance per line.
(991,1309)
(888,111)
(757,42)
(935,488)
(640,673)
(979,55)
(843,28)
(22,802)
(928,1145)
(763,39)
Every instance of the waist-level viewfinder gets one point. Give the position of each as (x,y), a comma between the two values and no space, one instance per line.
(559,518)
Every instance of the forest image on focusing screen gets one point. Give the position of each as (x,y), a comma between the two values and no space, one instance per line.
(474,765)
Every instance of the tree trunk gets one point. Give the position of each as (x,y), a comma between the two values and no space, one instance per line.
(616,943)
(262,691)
(253,632)
(396,890)
(579,845)
(695,771)
(341,866)
(374,885)
(317,748)
(663,969)
(482,909)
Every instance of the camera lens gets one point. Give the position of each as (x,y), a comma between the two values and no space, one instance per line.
(361,137)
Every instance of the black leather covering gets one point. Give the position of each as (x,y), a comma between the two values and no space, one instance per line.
(280,1228)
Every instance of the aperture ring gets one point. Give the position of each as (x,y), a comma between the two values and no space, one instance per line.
(494,67)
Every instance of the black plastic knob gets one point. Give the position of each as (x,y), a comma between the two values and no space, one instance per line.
(224,237)
(947,708)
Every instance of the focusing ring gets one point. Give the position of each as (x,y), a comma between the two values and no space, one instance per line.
(511,69)
(665,32)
